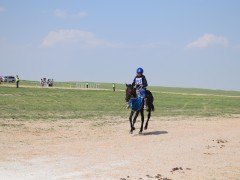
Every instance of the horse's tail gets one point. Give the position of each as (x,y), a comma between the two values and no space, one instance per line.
(153,108)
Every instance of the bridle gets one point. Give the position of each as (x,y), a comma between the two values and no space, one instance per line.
(129,92)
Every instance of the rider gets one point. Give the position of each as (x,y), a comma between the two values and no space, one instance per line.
(140,82)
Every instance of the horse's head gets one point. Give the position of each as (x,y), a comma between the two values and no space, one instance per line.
(130,92)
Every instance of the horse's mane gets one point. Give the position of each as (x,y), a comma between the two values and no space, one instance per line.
(133,93)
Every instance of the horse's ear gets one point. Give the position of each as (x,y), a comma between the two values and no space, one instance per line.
(126,85)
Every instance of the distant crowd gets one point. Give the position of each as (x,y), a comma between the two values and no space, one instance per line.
(48,82)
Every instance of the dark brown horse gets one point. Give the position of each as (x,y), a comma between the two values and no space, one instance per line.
(131,94)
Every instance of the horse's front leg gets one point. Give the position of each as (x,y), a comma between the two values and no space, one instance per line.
(135,118)
(142,118)
(131,124)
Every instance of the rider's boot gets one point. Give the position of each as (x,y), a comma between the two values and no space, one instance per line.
(145,104)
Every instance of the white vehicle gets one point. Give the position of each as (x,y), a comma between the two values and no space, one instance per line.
(9,79)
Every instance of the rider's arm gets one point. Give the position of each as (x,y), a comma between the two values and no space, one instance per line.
(144,82)
(133,83)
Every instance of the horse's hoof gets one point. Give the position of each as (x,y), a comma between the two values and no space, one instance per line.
(133,128)
(145,128)
(140,132)
(130,132)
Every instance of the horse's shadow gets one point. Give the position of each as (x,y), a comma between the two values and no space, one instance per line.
(154,133)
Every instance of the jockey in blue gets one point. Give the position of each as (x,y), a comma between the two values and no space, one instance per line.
(140,82)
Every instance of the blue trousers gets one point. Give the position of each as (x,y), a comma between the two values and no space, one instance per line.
(142,92)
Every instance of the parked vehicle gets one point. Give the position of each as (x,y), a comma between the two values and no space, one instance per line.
(9,79)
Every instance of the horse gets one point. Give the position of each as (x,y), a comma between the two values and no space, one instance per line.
(132,95)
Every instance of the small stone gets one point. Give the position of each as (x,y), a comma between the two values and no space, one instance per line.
(175,169)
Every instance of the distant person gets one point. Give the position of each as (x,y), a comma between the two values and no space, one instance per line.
(17,81)
(48,82)
(140,82)
(42,82)
(114,87)
(87,85)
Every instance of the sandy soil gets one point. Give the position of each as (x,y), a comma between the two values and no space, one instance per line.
(172,148)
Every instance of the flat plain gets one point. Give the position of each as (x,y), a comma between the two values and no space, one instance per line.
(75,133)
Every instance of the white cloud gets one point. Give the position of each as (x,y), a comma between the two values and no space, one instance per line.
(2,9)
(208,39)
(81,38)
(81,14)
(60,13)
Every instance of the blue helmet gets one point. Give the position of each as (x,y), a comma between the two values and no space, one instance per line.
(139,70)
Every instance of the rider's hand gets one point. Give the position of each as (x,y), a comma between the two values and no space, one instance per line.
(141,85)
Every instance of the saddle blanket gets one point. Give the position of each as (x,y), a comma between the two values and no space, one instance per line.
(136,103)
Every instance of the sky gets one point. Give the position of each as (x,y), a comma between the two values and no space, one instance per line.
(183,43)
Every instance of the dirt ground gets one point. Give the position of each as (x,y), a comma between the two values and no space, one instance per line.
(172,148)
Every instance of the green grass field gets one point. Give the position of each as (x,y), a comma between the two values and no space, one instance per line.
(55,103)
(122,87)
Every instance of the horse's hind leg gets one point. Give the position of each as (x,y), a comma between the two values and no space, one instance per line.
(142,118)
(149,115)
